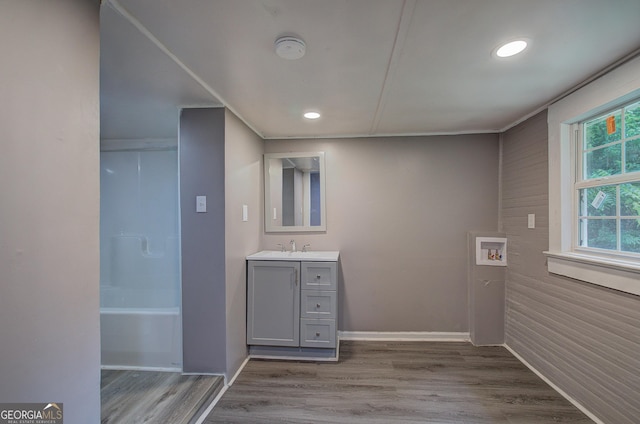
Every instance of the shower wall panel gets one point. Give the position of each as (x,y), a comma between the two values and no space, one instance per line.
(139,247)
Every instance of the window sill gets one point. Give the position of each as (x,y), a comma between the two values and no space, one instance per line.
(612,273)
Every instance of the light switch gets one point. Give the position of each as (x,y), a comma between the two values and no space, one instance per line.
(201,203)
(245,213)
(531,220)
(275,214)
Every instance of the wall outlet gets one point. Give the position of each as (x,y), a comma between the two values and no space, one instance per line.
(531,220)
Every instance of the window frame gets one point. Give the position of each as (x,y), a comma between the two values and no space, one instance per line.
(582,182)
(615,89)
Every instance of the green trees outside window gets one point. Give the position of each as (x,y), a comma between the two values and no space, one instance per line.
(609,213)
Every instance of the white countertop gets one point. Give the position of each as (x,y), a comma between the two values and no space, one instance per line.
(276,255)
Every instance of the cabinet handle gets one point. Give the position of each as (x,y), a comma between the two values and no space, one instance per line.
(317,305)
(317,277)
(296,278)
(317,334)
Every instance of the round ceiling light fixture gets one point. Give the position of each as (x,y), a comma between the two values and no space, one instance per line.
(511,48)
(290,47)
(311,115)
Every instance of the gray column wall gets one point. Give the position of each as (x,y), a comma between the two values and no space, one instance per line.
(49,212)
(202,173)
(584,338)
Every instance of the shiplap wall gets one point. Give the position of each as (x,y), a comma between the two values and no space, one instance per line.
(584,338)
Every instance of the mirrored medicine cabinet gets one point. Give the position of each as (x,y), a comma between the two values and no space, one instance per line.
(294,192)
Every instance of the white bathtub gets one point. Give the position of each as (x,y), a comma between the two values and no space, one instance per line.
(148,336)
(139,306)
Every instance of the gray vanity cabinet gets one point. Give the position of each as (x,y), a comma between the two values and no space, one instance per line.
(273,303)
(292,309)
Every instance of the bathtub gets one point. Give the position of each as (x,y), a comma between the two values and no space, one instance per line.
(145,337)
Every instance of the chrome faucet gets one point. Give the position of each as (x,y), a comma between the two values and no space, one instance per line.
(293,245)
(304,248)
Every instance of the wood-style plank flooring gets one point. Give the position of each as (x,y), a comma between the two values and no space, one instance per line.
(396,382)
(132,397)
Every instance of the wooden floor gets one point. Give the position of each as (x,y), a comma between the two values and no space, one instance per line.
(132,397)
(399,382)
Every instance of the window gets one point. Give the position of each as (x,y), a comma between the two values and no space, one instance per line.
(607,186)
(594,177)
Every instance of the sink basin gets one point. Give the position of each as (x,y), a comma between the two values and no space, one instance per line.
(276,255)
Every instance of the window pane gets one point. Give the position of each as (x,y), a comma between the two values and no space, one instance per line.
(600,233)
(598,132)
(598,201)
(633,155)
(602,162)
(632,120)
(630,235)
(630,199)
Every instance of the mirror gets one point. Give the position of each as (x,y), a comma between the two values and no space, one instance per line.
(294,194)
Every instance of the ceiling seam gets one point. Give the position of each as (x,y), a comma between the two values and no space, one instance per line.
(115,4)
(401,35)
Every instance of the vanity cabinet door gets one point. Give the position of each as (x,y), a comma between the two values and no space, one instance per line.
(273,303)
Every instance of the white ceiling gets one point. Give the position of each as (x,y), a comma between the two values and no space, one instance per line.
(372,67)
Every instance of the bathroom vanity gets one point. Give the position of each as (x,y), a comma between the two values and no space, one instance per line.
(292,305)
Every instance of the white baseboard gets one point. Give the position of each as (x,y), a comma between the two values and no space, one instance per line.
(244,364)
(404,336)
(556,388)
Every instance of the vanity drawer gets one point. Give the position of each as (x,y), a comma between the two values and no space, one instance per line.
(318,304)
(318,333)
(319,275)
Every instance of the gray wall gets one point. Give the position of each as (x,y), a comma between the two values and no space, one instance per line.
(243,171)
(202,173)
(399,210)
(49,215)
(584,338)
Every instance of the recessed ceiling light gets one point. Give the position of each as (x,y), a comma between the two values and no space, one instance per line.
(311,115)
(511,48)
